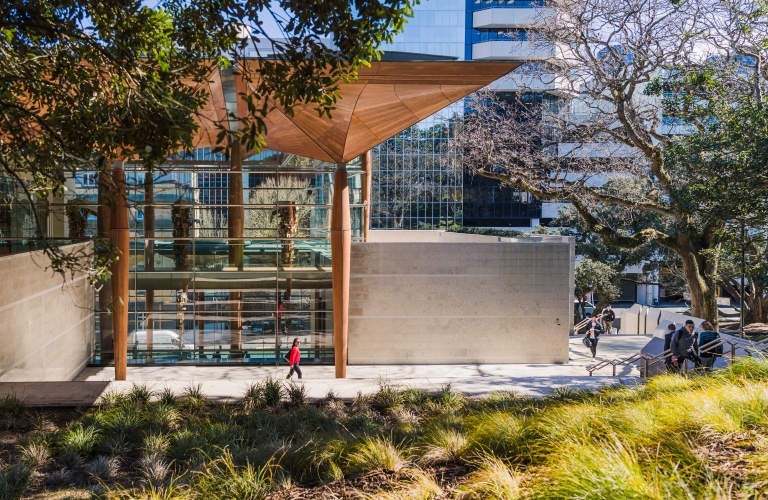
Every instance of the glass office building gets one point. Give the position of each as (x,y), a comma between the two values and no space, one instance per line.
(418,180)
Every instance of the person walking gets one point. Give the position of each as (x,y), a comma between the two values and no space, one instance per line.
(594,329)
(685,345)
(608,317)
(671,329)
(294,356)
(705,337)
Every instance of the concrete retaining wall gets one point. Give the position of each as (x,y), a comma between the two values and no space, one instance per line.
(446,298)
(46,329)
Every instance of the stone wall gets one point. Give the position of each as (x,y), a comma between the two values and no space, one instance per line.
(430,297)
(46,324)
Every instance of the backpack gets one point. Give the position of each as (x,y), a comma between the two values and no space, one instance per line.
(707,337)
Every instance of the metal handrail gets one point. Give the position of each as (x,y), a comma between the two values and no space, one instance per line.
(581,324)
(647,361)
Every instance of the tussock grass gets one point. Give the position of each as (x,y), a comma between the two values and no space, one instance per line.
(698,436)
(493,479)
(378,453)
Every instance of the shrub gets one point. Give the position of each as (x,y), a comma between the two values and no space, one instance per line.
(71,459)
(156,444)
(80,439)
(254,396)
(753,368)
(273,391)
(14,480)
(11,409)
(378,453)
(154,467)
(492,480)
(167,397)
(221,478)
(103,467)
(36,455)
(443,446)
(140,394)
(297,393)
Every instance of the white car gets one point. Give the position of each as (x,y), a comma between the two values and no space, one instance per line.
(589,308)
(162,340)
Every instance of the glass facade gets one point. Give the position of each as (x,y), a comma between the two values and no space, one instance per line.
(417,178)
(437,28)
(199,295)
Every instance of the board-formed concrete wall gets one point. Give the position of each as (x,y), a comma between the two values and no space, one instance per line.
(447,298)
(46,329)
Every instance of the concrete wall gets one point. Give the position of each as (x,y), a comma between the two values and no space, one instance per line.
(429,297)
(46,329)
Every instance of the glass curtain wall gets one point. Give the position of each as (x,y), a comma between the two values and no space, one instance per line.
(417,178)
(200,294)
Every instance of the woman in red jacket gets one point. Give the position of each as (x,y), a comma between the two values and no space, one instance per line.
(294,356)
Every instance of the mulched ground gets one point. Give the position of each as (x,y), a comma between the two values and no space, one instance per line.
(448,477)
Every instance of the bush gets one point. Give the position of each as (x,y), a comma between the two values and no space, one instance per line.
(103,467)
(14,480)
(751,368)
(378,454)
(273,391)
(80,439)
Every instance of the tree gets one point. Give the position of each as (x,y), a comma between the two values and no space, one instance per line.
(85,82)
(594,276)
(624,66)
(755,268)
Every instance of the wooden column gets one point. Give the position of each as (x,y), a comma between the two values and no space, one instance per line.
(103,215)
(149,257)
(367,178)
(119,236)
(341,248)
(235,229)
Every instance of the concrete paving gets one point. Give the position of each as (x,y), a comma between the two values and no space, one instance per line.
(228,382)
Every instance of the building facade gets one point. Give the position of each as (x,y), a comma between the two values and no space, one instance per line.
(419,182)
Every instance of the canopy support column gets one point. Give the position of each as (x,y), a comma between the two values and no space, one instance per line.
(119,237)
(341,248)
(236,231)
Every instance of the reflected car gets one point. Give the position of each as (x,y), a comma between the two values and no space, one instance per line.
(162,340)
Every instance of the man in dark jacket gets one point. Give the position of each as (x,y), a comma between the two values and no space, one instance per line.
(685,345)
(608,317)
(671,329)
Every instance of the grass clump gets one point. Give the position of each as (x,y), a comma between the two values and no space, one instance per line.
(492,479)
(14,480)
(378,453)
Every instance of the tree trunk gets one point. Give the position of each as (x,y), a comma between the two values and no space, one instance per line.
(703,290)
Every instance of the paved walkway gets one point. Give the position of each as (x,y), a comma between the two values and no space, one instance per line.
(227,383)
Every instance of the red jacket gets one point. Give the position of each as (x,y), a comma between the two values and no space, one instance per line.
(293,355)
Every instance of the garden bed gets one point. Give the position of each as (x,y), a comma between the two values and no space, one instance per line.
(701,436)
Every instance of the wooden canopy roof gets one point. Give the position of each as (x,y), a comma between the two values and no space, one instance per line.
(387,98)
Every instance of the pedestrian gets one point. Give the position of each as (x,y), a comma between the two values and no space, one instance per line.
(671,329)
(294,356)
(608,317)
(594,329)
(685,345)
(707,336)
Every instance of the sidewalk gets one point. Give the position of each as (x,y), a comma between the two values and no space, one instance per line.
(228,383)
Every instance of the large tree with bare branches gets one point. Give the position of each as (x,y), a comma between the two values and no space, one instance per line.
(649,91)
